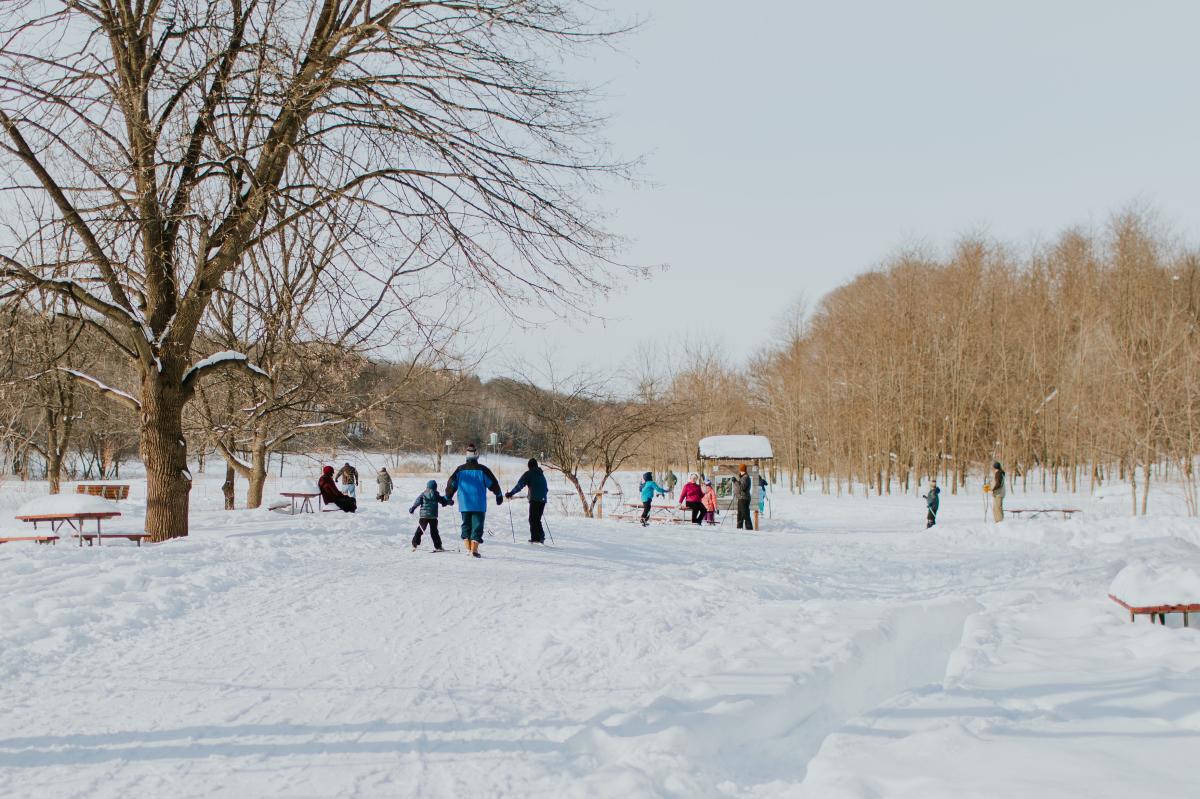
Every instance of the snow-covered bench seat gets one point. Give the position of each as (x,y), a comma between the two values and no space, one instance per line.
(1146,589)
(1066,512)
(41,539)
(105,490)
(98,537)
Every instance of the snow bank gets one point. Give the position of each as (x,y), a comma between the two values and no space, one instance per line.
(748,447)
(66,503)
(1144,584)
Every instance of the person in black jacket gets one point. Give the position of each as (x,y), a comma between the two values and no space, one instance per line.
(534,479)
(429,501)
(931,504)
(741,496)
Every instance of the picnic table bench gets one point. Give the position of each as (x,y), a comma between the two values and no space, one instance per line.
(105,490)
(1160,611)
(41,539)
(305,497)
(138,537)
(1033,512)
(76,522)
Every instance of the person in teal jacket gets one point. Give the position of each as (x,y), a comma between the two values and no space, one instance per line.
(649,488)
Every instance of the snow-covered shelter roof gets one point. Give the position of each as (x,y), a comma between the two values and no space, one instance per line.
(736,447)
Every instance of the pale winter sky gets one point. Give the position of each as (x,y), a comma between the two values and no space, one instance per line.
(794,144)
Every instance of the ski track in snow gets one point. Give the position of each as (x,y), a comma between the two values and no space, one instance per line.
(839,653)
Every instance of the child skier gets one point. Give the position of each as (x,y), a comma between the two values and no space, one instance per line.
(931,504)
(429,501)
(709,499)
(649,488)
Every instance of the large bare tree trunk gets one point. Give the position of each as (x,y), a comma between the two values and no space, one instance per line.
(164,453)
(257,476)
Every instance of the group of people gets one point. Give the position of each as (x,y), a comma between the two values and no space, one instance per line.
(699,496)
(471,482)
(998,488)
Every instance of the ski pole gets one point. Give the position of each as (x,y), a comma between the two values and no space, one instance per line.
(511,526)
(548,531)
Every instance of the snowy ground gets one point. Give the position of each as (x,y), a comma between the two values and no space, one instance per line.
(842,652)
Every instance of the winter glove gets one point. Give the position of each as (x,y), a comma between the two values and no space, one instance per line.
(508,495)
(412,510)
(499,500)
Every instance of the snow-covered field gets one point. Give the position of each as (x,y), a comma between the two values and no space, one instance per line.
(842,652)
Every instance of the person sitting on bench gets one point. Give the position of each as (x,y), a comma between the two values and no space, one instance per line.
(330,494)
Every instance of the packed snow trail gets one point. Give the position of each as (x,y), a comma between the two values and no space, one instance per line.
(319,656)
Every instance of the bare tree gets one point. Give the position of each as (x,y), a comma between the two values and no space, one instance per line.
(167,139)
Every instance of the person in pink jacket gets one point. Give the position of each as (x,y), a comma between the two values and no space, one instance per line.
(709,498)
(692,498)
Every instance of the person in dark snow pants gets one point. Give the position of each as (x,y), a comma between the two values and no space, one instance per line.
(648,489)
(692,498)
(330,494)
(429,501)
(534,480)
(741,497)
(473,480)
(931,504)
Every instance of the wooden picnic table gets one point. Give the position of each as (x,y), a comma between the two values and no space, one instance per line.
(105,490)
(76,522)
(1066,512)
(305,497)
(1160,611)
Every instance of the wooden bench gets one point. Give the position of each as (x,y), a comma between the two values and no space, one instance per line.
(41,539)
(1160,611)
(106,490)
(1034,512)
(138,537)
(75,521)
(637,517)
(305,497)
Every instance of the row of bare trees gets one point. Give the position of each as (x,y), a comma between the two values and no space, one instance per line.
(1074,362)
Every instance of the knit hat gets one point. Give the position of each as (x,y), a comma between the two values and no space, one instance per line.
(647,476)
(472,452)
(996,465)
(431,484)
(708,482)
(533,464)
(327,470)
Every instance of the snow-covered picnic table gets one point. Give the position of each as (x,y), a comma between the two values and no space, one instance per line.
(74,512)
(1035,512)
(1155,590)
(305,497)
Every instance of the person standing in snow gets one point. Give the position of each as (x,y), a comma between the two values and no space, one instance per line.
(709,498)
(741,497)
(648,489)
(474,480)
(348,477)
(330,494)
(931,504)
(692,498)
(383,485)
(669,481)
(534,479)
(999,488)
(429,501)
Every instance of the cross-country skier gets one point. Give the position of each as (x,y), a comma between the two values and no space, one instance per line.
(474,480)
(931,504)
(429,501)
(534,479)
(648,489)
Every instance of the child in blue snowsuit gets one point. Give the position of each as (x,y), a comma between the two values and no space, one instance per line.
(429,501)
(649,488)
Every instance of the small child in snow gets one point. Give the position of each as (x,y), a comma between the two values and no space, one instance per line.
(709,498)
(931,504)
(648,489)
(429,501)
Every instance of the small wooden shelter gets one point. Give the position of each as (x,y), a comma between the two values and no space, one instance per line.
(720,458)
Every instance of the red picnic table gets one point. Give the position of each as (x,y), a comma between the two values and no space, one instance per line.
(305,497)
(76,520)
(1160,611)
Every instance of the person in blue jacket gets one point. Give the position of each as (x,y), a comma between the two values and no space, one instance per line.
(535,480)
(474,480)
(649,488)
(931,504)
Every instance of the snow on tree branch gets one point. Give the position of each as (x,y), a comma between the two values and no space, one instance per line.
(114,393)
(221,360)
